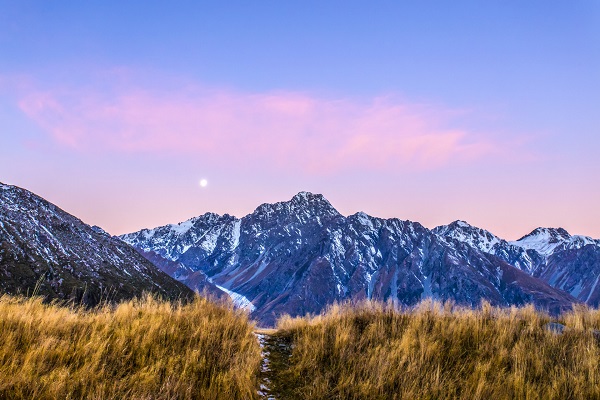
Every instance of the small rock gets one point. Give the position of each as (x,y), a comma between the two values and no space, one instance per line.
(555,327)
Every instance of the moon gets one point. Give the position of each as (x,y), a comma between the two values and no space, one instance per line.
(203,183)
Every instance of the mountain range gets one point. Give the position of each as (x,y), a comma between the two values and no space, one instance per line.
(301,255)
(292,257)
(567,262)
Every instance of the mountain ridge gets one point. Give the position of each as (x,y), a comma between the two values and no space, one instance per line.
(45,249)
(551,254)
(300,255)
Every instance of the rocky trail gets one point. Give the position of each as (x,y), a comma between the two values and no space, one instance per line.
(276,351)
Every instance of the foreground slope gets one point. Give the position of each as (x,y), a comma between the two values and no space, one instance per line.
(301,255)
(68,259)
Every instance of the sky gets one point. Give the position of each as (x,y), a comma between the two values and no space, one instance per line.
(431,111)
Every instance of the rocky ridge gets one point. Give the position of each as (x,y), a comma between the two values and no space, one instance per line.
(46,251)
(301,255)
(567,262)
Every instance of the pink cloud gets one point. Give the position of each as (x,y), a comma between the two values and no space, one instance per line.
(281,129)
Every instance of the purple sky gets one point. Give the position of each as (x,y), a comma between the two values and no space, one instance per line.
(430,112)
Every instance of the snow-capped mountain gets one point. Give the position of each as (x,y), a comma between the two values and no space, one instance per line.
(547,241)
(42,244)
(567,262)
(489,243)
(463,232)
(301,255)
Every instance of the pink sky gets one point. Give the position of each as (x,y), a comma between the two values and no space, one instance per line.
(286,130)
(129,155)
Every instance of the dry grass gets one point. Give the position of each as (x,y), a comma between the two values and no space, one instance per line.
(436,351)
(143,349)
(150,349)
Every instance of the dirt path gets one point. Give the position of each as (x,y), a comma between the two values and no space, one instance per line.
(264,390)
(275,357)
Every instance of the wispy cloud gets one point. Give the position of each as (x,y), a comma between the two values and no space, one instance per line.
(300,131)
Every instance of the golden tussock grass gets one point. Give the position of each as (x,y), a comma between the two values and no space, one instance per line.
(141,349)
(436,351)
(151,349)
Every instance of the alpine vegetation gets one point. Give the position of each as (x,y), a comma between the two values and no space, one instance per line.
(436,351)
(139,349)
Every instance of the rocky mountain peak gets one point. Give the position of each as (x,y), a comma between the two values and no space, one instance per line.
(365,220)
(547,240)
(303,205)
(465,232)
(457,225)
(312,200)
(461,224)
(553,235)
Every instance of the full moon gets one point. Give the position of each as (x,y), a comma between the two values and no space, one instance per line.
(203,182)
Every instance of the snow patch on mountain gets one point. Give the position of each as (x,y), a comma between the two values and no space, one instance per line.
(239,301)
(236,234)
(364,220)
(209,240)
(182,227)
(593,289)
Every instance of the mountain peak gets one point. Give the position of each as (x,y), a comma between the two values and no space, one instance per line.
(363,218)
(455,226)
(308,197)
(551,234)
(544,240)
(465,232)
(314,201)
(302,204)
(462,224)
